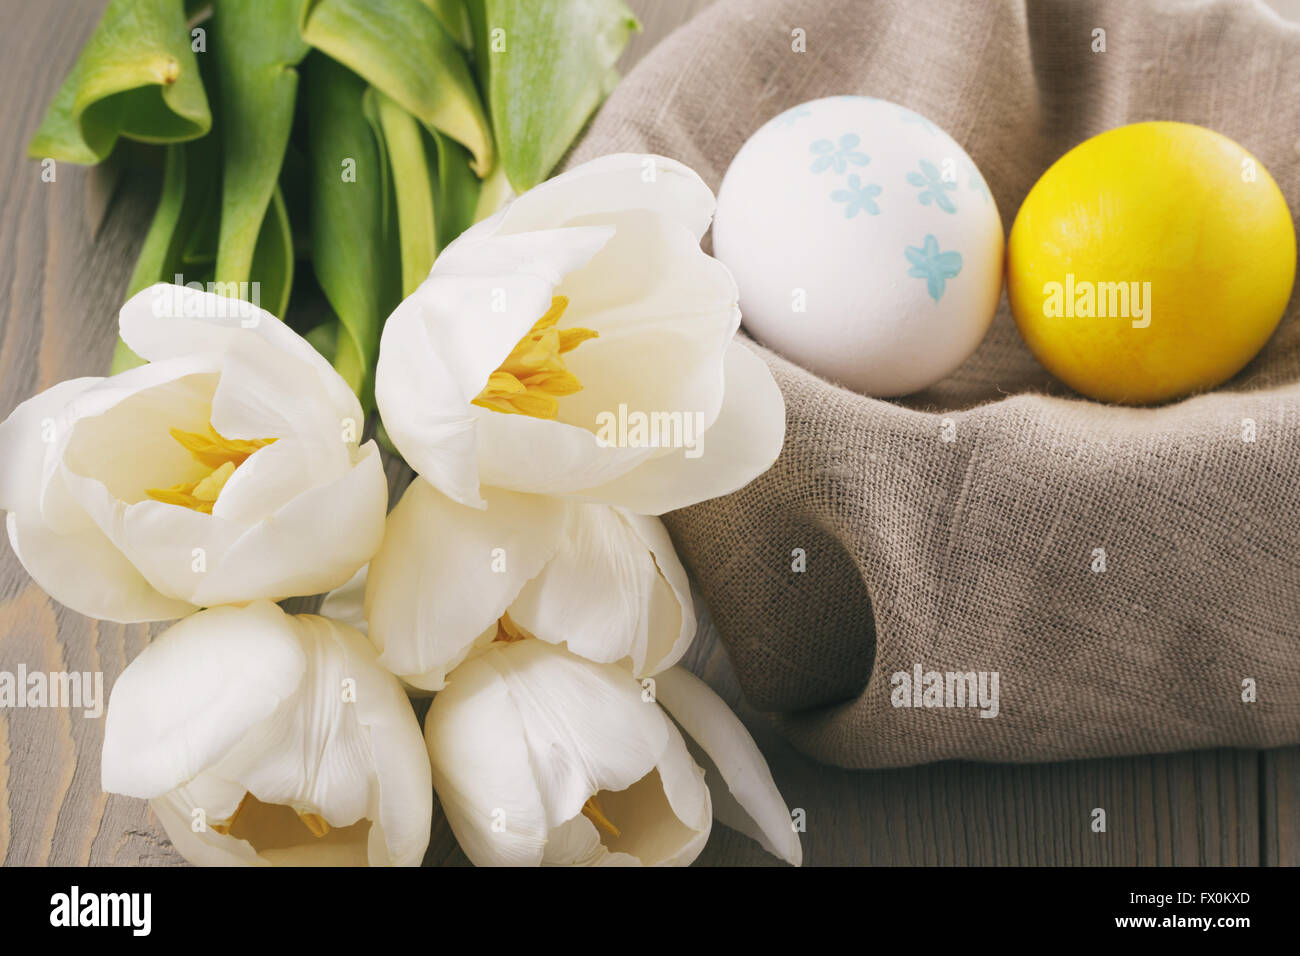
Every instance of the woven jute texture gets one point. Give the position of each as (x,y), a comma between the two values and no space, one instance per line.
(964,529)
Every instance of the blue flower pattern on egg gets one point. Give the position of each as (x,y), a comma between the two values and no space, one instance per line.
(830,156)
(925,261)
(934,188)
(935,267)
(859,197)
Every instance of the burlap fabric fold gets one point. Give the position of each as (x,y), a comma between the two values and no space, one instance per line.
(1132,576)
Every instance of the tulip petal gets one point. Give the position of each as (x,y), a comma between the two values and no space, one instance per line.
(347,602)
(742,444)
(268,480)
(611,184)
(118,431)
(67,555)
(443,342)
(209,561)
(482,769)
(84,571)
(678,838)
(446,572)
(261,394)
(190,697)
(585,730)
(205,847)
(427,418)
(317,752)
(614,590)
(341,746)
(665,313)
(481,298)
(577,843)
(165,321)
(293,551)
(588,728)
(654,536)
(540,456)
(25,437)
(719,732)
(397,752)
(312,752)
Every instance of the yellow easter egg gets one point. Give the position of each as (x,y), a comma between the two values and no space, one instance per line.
(1150,262)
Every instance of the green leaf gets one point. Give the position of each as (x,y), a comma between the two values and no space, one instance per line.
(201,247)
(272,266)
(404,144)
(391,259)
(478,31)
(494,192)
(294,174)
(406,52)
(136,77)
(202,223)
(158,243)
(165,232)
(388,220)
(370,109)
(458,189)
(350,252)
(324,338)
(256,46)
(549,65)
(190,174)
(454,19)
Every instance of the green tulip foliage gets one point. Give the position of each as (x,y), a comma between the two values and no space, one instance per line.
(358,136)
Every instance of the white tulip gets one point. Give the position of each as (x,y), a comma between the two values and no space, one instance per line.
(543,757)
(579,343)
(225,470)
(602,580)
(265,738)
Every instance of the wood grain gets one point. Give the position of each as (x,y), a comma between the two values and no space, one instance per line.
(66,249)
(1280,796)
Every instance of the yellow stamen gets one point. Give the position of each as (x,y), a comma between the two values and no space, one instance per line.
(591,810)
(315,823)
(534,376)
(214,451)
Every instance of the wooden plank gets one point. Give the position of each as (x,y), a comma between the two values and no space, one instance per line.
(60,287)
(1280,806)
(1189,809)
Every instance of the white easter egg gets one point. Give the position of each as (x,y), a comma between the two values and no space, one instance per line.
(866,245)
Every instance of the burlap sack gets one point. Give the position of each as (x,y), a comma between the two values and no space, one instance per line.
(983,553)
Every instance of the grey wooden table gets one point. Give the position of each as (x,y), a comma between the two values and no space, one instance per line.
(66,250)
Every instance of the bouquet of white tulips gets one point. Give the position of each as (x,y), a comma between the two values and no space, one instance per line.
(566,373)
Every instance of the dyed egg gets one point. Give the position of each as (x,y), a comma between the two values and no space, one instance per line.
(1150,262)
(866,244)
